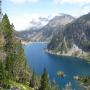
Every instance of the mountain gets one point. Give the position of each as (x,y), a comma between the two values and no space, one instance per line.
(34,26)
(54,25)
(27,34)
(14,72)
(44,32)
(75,37)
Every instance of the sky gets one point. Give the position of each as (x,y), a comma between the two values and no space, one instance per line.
(22,12)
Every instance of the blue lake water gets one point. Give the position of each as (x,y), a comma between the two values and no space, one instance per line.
(38,59)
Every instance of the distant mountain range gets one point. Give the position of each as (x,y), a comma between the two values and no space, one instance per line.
(35,26)
(74,39)
(46,28)
(65,34)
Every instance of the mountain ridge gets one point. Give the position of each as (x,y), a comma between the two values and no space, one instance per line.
(75,35)
(54,25)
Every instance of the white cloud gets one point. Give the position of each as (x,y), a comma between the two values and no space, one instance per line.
(22,22)
(22,1)
(72,1)
(84,6)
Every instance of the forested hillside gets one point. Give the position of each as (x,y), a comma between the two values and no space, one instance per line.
(14,72)
(75,39)
(12,61)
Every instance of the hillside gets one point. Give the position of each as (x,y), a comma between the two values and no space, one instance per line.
(34,27)
(46,32)
(13,66)
(14,72)
(56,24)
(74,40)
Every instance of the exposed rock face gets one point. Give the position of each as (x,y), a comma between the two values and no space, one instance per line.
(56,24)
(75,34)
(49,30)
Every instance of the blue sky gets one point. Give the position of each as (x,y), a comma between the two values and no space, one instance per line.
(21,12)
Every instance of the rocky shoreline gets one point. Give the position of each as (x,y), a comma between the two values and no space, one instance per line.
(25,42)
(84,56)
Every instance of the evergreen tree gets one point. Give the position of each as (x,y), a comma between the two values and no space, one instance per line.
(33,80)
(20,65)
(2,72)
(6,23)
(44,81)
(14,66)
(7,30)
(15,60)
(9,65)
(9,45)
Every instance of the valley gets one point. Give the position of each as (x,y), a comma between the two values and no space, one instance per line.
(42,48)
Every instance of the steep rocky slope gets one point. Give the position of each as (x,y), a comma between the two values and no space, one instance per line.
(56,24)
(74,38)
(46,32)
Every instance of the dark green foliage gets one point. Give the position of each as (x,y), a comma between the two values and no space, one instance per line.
(85,43)
(8,33)
(86,81)
(9,45)
(76,33)
(15,62)
(2,72)
(0,7)
(44,81)
(33,80)
(46,84)
(14,67)
(56,40)
(6,24)
(21,65)
(9,65)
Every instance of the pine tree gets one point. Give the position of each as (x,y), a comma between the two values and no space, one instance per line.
(8,47)
(16,65)
(44,81)
(7,30)
(20,65)
(33,80)
(9,65)
(1,10)
(2,72)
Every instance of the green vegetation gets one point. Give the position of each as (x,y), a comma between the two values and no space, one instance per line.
(85,43)
(33,80)
(86,81)
(2,72)
(14,67)
(75,33)
(45,84)
(14,72)
(44,81)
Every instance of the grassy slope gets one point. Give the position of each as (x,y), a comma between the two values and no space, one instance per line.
(18,85)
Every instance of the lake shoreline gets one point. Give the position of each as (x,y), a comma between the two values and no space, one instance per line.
(58,54)
(54,64)
(68,55)
(30,42)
